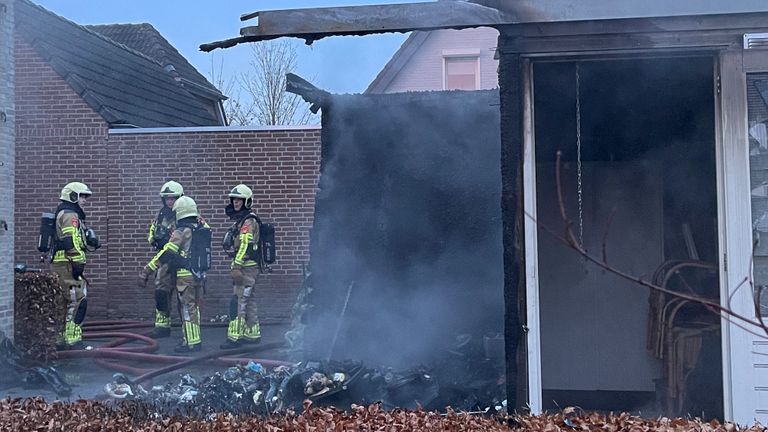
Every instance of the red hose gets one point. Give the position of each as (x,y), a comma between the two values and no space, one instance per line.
(234,361)
(119,325)
(112,346)
(110,322)
(119,367)
(114,350)
(188,361)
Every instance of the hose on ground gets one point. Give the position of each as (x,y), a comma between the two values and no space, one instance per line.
(112,354)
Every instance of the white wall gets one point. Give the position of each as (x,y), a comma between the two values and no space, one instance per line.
(424,70)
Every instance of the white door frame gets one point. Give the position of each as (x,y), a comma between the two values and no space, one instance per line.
(533,342)
(735,237)
(735,222)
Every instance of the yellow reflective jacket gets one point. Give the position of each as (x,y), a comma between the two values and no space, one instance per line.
(166,221)
(246,242)
(176,251)
(69,226)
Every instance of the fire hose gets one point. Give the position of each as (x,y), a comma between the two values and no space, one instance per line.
(114,350)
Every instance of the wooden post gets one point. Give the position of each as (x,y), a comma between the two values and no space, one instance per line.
(510,89)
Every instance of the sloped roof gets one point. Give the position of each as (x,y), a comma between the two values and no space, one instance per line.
(145,39)
(397,62)
(123,85)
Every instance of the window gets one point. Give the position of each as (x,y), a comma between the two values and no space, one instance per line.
(461,72)
(757,96)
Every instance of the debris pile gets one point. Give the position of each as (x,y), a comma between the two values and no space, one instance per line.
(16,370)
(37,326)
(250,389)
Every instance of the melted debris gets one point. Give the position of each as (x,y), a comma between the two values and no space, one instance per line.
(250,389)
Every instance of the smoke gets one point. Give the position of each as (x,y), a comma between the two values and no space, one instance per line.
(408,223)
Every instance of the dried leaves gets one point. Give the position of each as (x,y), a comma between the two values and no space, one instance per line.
(574,419)
(36,414)
(39,309)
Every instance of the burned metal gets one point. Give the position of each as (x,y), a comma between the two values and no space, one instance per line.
(466,380)
(15,369)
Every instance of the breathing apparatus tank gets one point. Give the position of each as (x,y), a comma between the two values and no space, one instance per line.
(47,232)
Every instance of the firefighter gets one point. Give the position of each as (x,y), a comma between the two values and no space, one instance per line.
(243,236)
(69,257)
(175,254)
(159,233)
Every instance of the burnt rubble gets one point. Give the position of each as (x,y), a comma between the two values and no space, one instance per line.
(463,381)
(16,369)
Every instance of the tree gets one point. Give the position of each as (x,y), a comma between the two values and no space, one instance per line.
(257,96)
(237,110)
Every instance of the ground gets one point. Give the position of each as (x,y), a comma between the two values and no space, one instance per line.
(88,378)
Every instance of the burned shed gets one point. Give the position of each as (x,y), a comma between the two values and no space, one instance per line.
(633,141)
(406,244)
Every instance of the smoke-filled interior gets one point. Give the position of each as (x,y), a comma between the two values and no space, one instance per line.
(639,186)
(406,255)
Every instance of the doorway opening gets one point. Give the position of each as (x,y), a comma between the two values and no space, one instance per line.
(638,181)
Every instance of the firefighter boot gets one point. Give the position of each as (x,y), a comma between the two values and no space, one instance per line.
(187,349)
(235,331)
(160,332)
(162,325)
(192,341)
(252,334)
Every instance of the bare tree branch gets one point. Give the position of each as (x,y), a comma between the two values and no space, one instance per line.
(257,95)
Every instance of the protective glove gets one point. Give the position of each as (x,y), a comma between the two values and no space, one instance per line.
(237,275)
(144,277)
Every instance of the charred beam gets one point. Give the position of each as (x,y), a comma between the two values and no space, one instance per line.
(316,23)
(311,94)
(510,92)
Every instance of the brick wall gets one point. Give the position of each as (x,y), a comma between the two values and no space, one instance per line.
(61,139)
(7,148)
(281,166)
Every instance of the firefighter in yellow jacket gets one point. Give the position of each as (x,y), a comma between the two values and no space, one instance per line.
(69,257)
(243,237)
(175,253)
(159,233)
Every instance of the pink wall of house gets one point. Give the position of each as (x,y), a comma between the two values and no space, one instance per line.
(423,71)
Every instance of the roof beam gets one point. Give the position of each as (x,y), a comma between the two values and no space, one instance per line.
(316,23)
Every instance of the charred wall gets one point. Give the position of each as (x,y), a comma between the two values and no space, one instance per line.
(407,228)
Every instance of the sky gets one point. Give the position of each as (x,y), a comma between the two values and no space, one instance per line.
(341,64)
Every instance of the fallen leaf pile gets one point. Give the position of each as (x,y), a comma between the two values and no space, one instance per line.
(574,419)
(81,416)
(40,310)
(37,415)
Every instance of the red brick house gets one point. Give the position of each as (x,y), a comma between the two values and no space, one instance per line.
(119,108)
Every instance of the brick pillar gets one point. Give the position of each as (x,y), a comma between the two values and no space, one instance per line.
(7,156)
